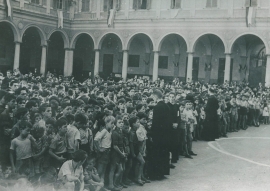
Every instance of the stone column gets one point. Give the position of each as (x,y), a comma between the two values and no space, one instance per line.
(17,55)
(227,72)
(189,67)
(96,68)
(127,9)
(125,65)
(155,66)
(68,66)
(43,59)
(267,74)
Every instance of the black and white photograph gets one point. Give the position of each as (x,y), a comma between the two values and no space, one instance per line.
(134,95)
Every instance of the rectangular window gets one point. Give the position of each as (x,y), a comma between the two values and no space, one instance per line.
(211,3)
(176,4)
(35,1)
(141,4)
(163,62)
(251,3)
(85,5)
(134,60)
(107,5)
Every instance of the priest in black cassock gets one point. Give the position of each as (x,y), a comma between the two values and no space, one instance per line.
(161,131)
(210,130)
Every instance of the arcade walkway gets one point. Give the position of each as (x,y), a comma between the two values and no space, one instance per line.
(238,163)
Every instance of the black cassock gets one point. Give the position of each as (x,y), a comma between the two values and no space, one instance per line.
(161,129)
(210,130)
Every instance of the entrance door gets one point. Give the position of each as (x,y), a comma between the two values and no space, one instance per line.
(195,68)
(78,69)
(231,71)
(107,65)
(221,70)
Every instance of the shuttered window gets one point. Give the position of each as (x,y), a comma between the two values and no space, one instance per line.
(176,4)
(85,5)
(211,3)
(251,3)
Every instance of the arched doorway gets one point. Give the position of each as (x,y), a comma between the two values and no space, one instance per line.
(209,59)
(30,52)
(111,56)
(248,53)
(140,61)
(173,57)
(84,57)
(7,48)
(56,54)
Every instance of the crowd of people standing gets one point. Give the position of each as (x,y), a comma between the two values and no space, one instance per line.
(59,133)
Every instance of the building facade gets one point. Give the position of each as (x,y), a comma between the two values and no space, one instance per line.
(209,40)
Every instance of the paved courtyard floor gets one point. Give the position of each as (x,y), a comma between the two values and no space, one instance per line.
(238,163)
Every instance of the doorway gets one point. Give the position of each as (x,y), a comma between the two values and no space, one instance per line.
(107,65)
(195,68)
(221,70)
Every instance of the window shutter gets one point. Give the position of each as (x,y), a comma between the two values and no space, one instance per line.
(148,4)
(178,4)
(208,3)
(214,3)
(172,4)
(105,5)
(254,3)
(135,4)
(247,4)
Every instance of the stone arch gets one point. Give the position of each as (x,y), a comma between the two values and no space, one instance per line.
(64,36)
(193,44)
(100,41)
(39,30)
(16,33)
(161,40)
(248,33)
(76,37)
(129,40)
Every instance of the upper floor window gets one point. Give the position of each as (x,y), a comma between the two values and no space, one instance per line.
(35,1)
(85,5)
(251,3)
(141,4)
(211,3)
(107,5)
(176,4)
(61,4)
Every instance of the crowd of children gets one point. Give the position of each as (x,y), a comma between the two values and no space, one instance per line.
(105,126)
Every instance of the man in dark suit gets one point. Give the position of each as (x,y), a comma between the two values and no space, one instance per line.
(210,132)
(161,126)
(175,133)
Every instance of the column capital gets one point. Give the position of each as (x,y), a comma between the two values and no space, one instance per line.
(125,51)
(227,54)
(17,42)
(155,51)
(69,49)
(267,55)
(44,45)
(190,52)
(96,50)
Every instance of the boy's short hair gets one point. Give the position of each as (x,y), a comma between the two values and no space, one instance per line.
(20,99)
(158,93)
(130,110)
(79,155)
(122,100)
(70,118)
(81,118)
(141,115)
(24,124)
(61,122)
(132,120)
(139,107)
(108,119)
(43,107)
